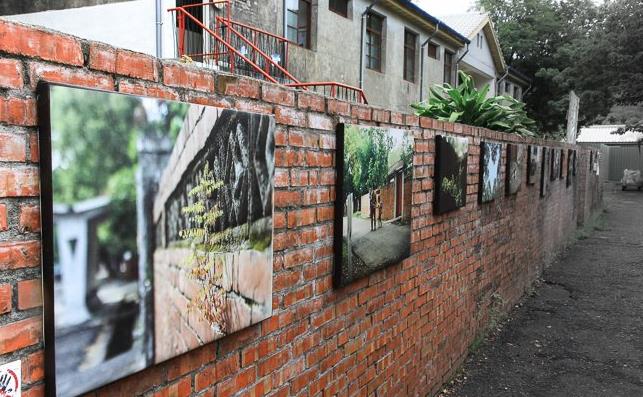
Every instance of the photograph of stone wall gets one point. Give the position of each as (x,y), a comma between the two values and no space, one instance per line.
(450,173)
(161,230)
(555,164)
(533,164)
(515,161)
(377,173)
(490,181)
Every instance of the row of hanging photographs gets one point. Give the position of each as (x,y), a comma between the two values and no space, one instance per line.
(374,188)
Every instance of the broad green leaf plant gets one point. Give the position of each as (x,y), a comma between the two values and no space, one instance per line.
(467,105)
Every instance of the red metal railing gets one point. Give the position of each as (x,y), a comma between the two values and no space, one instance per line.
(206,34)
(335,90)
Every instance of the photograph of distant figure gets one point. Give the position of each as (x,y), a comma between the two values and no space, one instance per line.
(534,161)
(376,200)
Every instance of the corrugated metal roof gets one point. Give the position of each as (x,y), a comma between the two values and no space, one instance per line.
(604,134)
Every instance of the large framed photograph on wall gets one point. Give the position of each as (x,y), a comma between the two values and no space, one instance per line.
(450,175)
(373,206)
(157,230)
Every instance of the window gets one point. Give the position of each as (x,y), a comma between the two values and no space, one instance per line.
(298,22)
(339,6)
(517,92)
(374,25)
(433,51)
(448,67)
(410,41)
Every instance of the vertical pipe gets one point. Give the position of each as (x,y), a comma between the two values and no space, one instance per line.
(159,30)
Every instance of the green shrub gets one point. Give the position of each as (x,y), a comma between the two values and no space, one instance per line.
(467,105)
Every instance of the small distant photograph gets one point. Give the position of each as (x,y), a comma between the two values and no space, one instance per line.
(544,172)
(561,169)
(450,173)
(377,190)
(571,166)
(515,160)
(534,162)
(490,156)
(555,164)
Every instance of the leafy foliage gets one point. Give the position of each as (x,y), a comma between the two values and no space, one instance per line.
(595,50)
(465,104)
(366,159)
(202,215)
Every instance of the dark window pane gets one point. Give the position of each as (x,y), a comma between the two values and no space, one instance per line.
(448,67)
(410,39)
(374,42)
(298,22)
(339,6)
(432,51)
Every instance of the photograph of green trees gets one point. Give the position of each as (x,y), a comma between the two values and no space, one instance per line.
(159,226)
(375,205)
(450,191)
(533,164)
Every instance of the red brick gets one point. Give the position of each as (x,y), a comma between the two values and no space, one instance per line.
(27,41)
(137,65)
(339,107)
(11,74)
(19,182)
(290,116)
(102,57)
(205,378)
(5,298)
(188,77)
(33,367)
(34,148)
(16,255)
(238,86)
(227,366)
(147,89)
(310,101)
(301,217)
(320,122)
(182,388)
(20,334)
(34,391)
(18,111)
(60,74)
(13,147)
(4,222)
(279,95)
(29,294)
(30,218)
(248,105)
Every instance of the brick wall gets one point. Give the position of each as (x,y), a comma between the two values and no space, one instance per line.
(403,330)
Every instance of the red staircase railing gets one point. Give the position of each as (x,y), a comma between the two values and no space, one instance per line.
(206,34)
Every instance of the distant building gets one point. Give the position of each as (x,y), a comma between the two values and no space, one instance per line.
(620,151)
(483,59)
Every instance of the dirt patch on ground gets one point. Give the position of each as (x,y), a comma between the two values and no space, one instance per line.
(580,331)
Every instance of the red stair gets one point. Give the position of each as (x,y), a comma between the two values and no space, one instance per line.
(205,33)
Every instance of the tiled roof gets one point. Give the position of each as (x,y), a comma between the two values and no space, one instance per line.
(466,24)
(444,25)
(603,134)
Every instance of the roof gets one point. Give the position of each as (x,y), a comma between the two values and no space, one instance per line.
(604,134)
(469,24)
(424,16)
(517,74)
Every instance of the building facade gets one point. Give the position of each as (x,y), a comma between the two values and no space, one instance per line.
(391,49)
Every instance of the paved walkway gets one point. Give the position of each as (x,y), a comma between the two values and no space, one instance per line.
(581,333)
(388,244)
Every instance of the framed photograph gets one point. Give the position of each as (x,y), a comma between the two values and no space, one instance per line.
(157,230)
(490,181)
(571,161)
(555,164)
(534,163)
(515,161)
(373,209)
(450,187)
(561,168)
(545,171)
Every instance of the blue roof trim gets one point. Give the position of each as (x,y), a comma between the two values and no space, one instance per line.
(443,26)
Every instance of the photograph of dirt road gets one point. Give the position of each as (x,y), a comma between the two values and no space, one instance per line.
(376,200)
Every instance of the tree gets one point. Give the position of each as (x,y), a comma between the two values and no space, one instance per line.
(366,155)
(573,44)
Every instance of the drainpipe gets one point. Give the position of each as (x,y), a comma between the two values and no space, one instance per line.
(500,80)
(159,30)
(437,27)
(457,65)
(361,42)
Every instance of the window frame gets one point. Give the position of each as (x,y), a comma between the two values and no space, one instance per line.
(437,51)
(450,56)
(409,49)
(309,20)
(337,11)
(379,35)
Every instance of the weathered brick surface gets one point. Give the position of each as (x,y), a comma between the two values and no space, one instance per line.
(401,331)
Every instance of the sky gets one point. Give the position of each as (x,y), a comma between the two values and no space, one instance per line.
(445,7)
